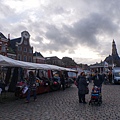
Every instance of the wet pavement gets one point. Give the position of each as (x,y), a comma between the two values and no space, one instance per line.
(62,105)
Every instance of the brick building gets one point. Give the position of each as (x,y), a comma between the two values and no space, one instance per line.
(3,44)
(68,62)
(38,58)
(54,61)
(21,47)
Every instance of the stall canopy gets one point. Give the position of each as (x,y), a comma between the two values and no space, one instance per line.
(8,62)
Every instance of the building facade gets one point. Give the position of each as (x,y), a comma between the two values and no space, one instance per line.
(69,62)
(38,58)
(109,62)
(54,61)
(114,58)
(3,44)
(22,48)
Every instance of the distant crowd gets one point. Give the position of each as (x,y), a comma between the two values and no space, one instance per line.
(106,77)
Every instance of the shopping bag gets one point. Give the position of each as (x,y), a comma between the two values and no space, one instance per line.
(25,89)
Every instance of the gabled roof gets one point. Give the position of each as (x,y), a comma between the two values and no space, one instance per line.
(13,42)
(2,36)
(38,54)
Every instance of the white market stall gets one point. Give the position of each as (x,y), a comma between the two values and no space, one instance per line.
(8,62)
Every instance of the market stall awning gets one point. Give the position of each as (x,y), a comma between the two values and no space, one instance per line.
(8,62)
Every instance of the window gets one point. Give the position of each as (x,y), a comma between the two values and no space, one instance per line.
(3,49)
(25,49)
(30,59)
(19,57)
(25,58)
(19,48)
(30,51)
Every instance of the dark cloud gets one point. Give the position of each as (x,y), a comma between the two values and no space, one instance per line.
(82,32)
(86,30)
(59,40)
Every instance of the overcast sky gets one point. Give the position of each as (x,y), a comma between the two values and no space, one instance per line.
(80,29)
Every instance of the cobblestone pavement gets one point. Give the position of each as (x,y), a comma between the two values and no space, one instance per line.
(63,105)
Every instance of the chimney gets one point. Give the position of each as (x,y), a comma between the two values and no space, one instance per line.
(8,36)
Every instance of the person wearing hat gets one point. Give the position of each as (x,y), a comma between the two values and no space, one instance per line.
(82,85)
(31,86)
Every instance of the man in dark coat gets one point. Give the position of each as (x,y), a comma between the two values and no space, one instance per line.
(98,80)
(82,85)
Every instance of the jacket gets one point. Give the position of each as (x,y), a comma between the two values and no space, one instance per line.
(82,84)
(98,80)
(31,82)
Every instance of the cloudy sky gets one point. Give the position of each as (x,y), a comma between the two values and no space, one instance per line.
(80,29)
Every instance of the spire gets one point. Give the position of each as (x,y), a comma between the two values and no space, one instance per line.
(114,50)
(8,40)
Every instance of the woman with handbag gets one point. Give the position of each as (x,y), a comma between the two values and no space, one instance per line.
(82,87)
(31,87)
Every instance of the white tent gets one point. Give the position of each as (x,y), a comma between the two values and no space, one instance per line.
(8,62)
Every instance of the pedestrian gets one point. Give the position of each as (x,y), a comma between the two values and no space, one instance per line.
(105,78)
(110,77)
(62,80)
(82,85)
(98,80)
(31,83)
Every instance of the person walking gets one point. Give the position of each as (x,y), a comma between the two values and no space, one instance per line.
(31,87)
(82,85)
(105,78)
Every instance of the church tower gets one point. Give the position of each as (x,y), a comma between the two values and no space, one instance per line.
(114,50)
(114,58)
